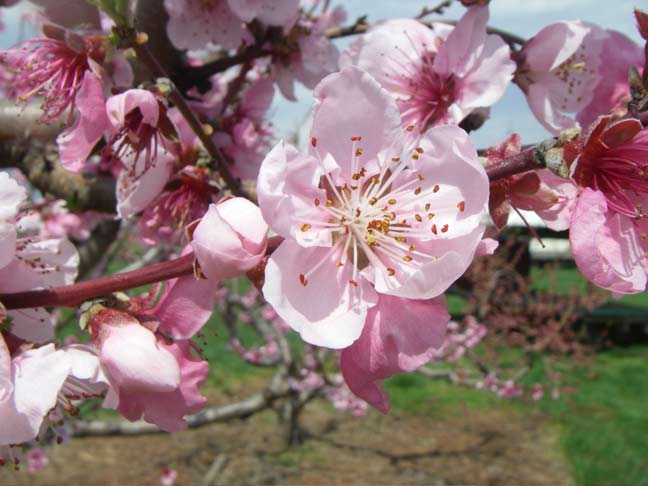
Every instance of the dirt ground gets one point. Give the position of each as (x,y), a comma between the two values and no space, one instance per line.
(482,448)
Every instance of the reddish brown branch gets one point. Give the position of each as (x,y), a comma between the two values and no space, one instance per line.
(73,295)
(529,159)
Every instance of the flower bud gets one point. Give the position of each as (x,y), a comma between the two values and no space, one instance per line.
(230,239)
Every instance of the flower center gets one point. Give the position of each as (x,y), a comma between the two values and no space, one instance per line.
(377,219)
(429,94)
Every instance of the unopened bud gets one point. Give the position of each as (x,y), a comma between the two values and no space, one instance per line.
(642,23)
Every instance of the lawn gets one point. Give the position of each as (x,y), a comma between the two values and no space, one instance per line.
(601,419)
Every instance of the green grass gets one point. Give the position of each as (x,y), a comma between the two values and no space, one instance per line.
(566,279)
(602,417)
(605,421)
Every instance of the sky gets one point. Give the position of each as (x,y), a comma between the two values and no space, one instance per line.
(521,17)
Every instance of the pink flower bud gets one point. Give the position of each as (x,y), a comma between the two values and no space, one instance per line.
(642,23)
(230,239)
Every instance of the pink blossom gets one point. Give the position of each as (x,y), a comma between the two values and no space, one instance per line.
(140,127)
(278,12)
(166,409)
(244,134)
(60,222)
(230,239)
(32,382)
(537,392)
(168,477)
(558,216)
(510,389)
(188,198)
(146,353)
(53,68)
(131,355)
(150,376)
(12,195)
(184,307)
(37,460)
(193,24)
(490,383)
(137,190)
(437,75)
(308,59)
(344,400)
(69,13)
(460,338)
(608,228)
(358,220)
(575,68)
(612,92)
(29,263)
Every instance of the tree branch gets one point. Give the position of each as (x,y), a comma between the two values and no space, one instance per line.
(41,166)
(75,294)
(533,158)
(245,408)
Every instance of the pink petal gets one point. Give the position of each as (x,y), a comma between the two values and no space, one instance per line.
(399,335)
(287,189)
(76,143)
(385,51)
(44,263)
(434,276)
(487,246)
(558,216)
(167,409)
(618,55)
(352,104)
(193,25)
(554,44)
(186,306)
(134,194)
(12,195)
(605,246)
(256,100)
(38,375)
(118,106)
(327,311)
(134,361)
(277,12)
(33,325)
(7,243)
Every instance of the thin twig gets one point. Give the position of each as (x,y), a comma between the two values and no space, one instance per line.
(439,9)
(214,470)
(256,403)
(145,55)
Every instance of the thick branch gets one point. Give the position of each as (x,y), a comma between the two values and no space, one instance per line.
(530,159)
(41,166)
(73,295)
(23,122)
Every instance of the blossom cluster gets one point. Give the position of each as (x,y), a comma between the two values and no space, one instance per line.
(352,235)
